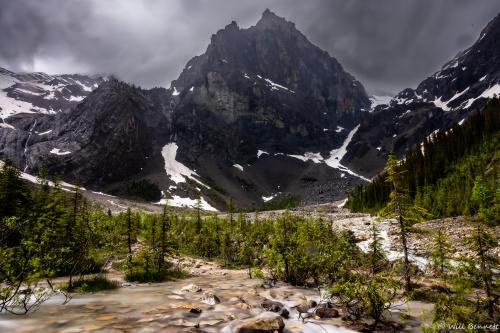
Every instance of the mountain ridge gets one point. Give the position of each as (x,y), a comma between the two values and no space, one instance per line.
(462,85)
(265,88)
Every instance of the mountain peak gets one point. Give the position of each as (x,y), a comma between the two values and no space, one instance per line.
(268,13)
(232,26)
(269,20)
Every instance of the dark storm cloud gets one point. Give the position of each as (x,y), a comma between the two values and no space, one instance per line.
(386,44)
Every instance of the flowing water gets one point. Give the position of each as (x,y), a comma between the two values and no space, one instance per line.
(163,307)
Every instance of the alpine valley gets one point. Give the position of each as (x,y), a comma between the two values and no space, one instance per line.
(263,191)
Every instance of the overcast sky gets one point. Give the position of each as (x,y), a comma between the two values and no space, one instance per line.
(387,44)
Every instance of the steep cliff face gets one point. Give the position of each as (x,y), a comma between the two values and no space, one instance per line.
(107,138)
(462,85)
(266,87)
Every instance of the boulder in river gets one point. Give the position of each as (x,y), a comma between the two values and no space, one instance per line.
(210,299)
(285,313)
(272,306)
(306,306)
(326,312)
(191,288)
(264,323)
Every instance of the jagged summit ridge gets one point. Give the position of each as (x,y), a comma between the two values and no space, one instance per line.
(270,20)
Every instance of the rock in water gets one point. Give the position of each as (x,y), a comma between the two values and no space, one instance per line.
(306,306)
(285,313)
(273,306)
(210,299)
(191,288)
(325,312)
(265,323)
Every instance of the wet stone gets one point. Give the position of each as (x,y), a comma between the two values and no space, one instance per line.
(325,312)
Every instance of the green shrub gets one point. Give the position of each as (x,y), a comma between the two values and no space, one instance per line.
(94,284)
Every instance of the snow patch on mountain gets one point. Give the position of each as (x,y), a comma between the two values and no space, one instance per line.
(276,86)
(315,157)
(488,93)
(238,166)
(177,171)
(338,154)
(380,100)
(57,151)
(10,106)
(44,133)
(178,201)
(441,104)
(261,152)
(271,197)
(458,94)
(76,98)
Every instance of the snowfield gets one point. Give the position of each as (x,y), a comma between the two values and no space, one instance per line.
(177,171)
(379,100)
(178,201)
(36,87)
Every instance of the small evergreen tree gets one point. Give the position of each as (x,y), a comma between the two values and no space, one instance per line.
(402,209)
(440,251)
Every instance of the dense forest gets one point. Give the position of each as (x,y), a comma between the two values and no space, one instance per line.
(442,174)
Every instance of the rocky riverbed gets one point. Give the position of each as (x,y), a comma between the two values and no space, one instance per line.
(213,299)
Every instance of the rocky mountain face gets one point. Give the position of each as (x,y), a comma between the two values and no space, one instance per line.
(263,113)
(42,93)
(108,137)
(447,97)
(258,96)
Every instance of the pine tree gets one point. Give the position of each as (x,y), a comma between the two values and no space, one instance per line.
(376,251)
(129,235)
(163,240)
(441,248)
(13,193)
(482,242)
(198,215)
(401,208)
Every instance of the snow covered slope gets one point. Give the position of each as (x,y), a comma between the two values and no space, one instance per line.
(42,93)
(462,86)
